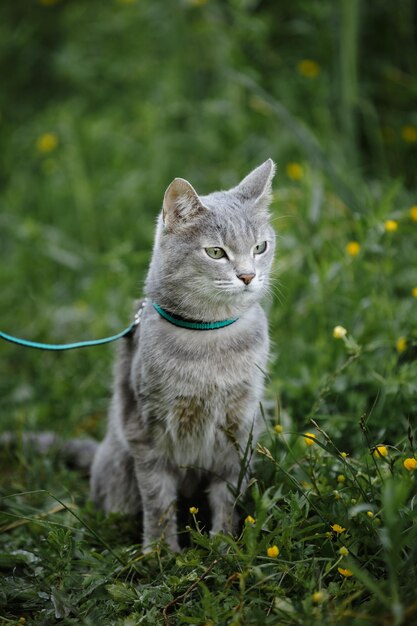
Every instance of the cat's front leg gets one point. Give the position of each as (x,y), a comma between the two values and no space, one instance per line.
(158,489)
(222,498)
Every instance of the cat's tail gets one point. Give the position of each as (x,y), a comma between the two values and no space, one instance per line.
(78,453)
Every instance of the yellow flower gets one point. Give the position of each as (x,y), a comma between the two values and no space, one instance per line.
(345,572)
(369,514)
(309,438)
(401,344)
(193,510)
(318,596)
(414,292)
(353,248)
(337,528)
(409,134)
(273,552)
(390,226)
(278,428)
(47,142)
(343,551)
(336,495)
(413,213)
(410,464)
(341,478)
(339,332)
(308,68)
(380,451)
(344,455)
(249,520)
(294,171)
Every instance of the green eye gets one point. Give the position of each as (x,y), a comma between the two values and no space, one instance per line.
(260,248)
(215,253)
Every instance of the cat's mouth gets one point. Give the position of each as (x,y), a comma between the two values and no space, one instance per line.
(232,291)
(237,287)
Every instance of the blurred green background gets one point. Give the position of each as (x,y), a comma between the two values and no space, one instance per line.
(103,103)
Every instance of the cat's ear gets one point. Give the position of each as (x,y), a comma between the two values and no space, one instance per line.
(257,186)
(181,204)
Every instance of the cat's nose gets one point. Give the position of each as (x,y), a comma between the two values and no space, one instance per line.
(246,278)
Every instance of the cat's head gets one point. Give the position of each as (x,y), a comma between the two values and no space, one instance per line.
(213,253)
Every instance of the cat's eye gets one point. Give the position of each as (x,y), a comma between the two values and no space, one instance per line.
(215,253)
(260,248)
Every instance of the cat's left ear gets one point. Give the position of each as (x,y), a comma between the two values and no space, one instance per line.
(257,186)
(181,204)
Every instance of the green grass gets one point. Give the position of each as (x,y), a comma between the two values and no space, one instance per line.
(134,95)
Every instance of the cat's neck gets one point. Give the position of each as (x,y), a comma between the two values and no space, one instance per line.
(191,308)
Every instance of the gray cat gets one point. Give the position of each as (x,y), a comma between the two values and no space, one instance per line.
(189,380)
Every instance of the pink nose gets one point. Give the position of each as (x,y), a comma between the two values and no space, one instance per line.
(247,278)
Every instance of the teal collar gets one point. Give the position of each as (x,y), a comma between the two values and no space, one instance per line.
(192,325)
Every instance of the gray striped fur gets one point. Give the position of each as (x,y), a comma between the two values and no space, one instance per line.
(185,402)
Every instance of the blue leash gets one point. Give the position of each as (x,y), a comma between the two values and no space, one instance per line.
(177,321)
(66,346)
(56,347)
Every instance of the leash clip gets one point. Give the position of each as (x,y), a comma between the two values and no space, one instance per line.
(139,312)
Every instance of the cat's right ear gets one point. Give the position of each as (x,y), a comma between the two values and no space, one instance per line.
(181,204)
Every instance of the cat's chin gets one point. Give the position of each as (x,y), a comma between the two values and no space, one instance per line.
(245,293)
(241,299)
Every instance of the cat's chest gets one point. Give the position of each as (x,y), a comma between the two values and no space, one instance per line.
(194,414)
(198,429)
(198,384)
(188,361)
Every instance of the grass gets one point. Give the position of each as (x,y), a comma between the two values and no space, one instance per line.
(98,116)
